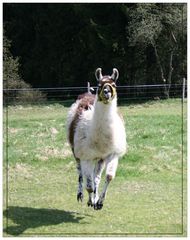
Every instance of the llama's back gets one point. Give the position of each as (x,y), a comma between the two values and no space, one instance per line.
(83,106)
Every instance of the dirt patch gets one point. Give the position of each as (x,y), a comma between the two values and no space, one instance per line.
(14,130)
(50,152)
(53,131)
(21,169)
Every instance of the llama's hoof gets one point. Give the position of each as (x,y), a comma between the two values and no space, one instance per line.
(79,196)
(98,205)
(90,204)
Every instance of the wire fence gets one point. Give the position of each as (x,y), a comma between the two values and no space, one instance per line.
(66,95)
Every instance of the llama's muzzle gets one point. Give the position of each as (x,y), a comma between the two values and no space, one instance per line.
(107,93)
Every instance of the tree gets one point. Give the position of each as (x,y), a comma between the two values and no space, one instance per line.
(158,25)
(12,79)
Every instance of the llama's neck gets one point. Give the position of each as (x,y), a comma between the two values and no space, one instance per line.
(104,116)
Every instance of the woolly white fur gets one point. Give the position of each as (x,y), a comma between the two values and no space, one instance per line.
(100,132)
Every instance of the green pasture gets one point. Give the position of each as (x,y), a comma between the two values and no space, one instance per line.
(147,197)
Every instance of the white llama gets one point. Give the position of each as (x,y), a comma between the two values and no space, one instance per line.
(97,137)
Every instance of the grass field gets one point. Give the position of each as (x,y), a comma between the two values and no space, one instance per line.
(147,197)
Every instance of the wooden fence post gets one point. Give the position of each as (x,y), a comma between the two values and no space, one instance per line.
(88,87)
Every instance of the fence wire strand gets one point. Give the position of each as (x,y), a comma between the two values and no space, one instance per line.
(64,94)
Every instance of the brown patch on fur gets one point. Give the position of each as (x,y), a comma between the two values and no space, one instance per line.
(107,80)
(89,190)
(109,178)
(86,100)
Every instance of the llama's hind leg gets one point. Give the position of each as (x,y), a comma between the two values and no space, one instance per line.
(88,169)
(111,167)
(80,182)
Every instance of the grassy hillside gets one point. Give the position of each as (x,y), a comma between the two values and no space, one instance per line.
(147,197)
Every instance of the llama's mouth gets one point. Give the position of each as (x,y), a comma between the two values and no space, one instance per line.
(107,95)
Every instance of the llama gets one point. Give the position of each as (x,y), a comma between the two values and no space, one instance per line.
(96,134)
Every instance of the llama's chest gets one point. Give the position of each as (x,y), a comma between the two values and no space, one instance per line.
(102,140)
(94,143)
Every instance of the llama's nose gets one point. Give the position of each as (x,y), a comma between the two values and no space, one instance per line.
(105,90)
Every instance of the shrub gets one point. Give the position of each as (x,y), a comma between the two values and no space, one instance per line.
(16,90)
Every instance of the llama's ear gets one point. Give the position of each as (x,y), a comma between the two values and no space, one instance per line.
(98,74)
(115,74)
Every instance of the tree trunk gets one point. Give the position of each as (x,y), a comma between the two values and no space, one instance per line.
(167,83)
(159,63)
(169,80)
(161,70)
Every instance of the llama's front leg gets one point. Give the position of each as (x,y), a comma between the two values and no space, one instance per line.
(88,170)
(111,167)
(97,177)
(89,188)
(80,181)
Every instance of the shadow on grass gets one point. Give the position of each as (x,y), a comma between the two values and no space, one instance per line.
(25,218)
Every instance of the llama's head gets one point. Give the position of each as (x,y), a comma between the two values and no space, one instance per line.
(106,85)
